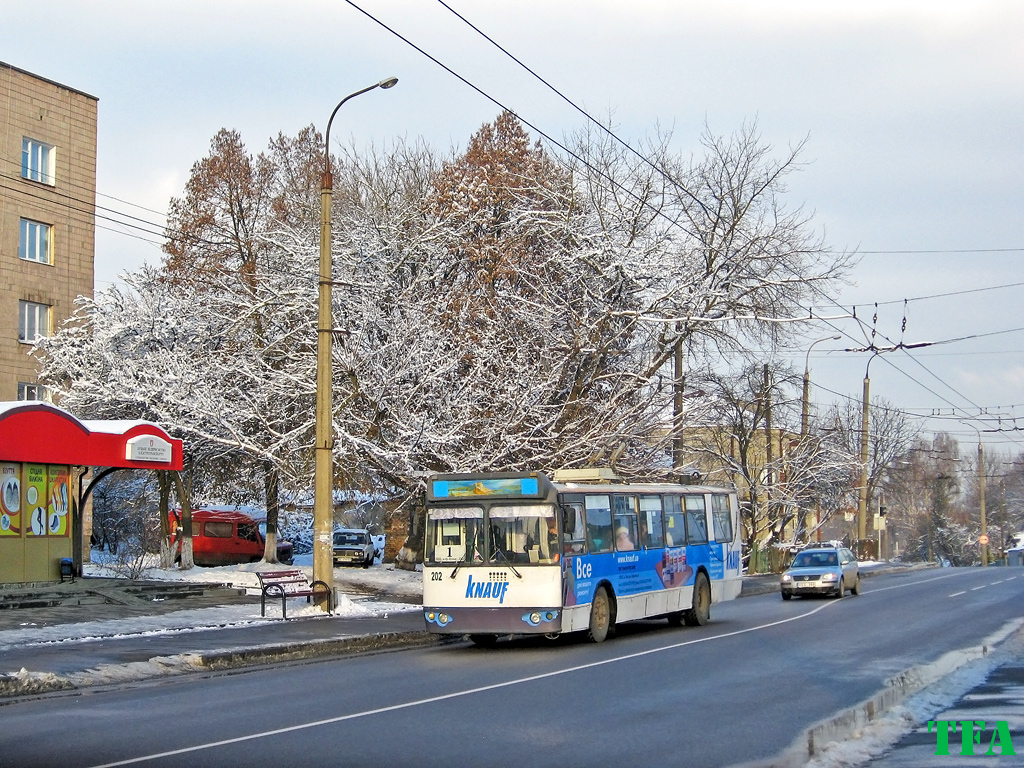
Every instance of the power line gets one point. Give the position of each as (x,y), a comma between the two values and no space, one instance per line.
(959,250)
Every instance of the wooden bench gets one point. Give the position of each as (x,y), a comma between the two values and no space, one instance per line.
(290,583)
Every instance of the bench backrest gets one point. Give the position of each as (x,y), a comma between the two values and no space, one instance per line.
(287,580)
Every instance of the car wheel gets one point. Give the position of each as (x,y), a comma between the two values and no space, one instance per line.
(841,590)
(787,596)
(856,586)
(700,613)
(368,563)
(600,616)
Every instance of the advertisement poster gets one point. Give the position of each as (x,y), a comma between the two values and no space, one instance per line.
(10,499)
(35,499)
(57,507)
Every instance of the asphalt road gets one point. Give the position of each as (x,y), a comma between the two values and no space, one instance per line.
(740,689)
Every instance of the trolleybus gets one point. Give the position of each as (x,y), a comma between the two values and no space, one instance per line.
(509,554)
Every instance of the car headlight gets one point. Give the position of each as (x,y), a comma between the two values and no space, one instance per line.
(829,577)
(786,578)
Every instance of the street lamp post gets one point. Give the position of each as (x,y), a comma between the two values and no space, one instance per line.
(981,496)
(805,404)
(862,507)
(323,468)
(807,383)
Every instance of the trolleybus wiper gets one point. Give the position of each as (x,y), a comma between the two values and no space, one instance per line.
(505,558)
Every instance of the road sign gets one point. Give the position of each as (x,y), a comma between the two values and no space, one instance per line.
(983,539)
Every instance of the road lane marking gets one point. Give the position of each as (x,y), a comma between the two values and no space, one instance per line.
(975,589)
(458,694)
(957,594)
(915,583)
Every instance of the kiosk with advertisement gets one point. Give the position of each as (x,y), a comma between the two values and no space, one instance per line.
(44,450)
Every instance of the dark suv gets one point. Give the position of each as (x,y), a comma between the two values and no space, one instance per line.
(822,571)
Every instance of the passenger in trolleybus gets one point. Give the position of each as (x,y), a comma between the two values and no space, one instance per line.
(622,541)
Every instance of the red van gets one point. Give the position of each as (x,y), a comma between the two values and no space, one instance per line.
(227,536)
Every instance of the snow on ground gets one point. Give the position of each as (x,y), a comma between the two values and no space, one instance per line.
(381,579)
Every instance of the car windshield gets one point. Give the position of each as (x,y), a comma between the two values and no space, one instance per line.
(346,539)
(815,560)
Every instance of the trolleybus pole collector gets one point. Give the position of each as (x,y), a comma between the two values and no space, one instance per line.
(517,553)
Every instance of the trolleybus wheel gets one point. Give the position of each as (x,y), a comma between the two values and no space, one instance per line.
(700,613)
(600,616)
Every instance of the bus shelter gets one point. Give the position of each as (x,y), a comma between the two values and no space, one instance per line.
(44,454)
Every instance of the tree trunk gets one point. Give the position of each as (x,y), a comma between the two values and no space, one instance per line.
(271,487)
(411,552)
(166,551)
(187,561)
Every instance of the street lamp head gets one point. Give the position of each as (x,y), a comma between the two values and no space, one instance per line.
(391,82)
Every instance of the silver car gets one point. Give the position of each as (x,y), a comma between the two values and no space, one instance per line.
(353,546)
(822,571)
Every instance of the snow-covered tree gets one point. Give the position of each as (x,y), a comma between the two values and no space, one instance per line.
(503,309)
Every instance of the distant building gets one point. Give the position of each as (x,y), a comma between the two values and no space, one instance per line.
(47,217)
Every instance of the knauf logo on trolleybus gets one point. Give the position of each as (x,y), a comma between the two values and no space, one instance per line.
(495,588)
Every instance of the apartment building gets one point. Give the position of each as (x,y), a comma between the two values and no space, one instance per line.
(47,217)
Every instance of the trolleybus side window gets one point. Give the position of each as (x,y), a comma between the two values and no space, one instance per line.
(696,520)
(721,517)
(675,525)
(454,535)
(652,523)
(599,523)
(625,523)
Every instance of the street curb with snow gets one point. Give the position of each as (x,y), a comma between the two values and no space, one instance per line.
(880,720)
(24,683)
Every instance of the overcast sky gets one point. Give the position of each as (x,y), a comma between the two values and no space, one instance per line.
(913,112)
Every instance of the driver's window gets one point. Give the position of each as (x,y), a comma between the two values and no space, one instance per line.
(573,529)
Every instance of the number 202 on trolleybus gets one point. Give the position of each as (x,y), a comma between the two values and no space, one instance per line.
(514,554)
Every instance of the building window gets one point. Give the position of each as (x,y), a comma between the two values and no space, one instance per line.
(37,161)
(29,391)
(33,321)
(34,243)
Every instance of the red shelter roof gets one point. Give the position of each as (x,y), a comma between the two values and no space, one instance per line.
(38,432)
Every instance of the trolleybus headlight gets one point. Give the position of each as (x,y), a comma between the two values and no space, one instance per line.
(535,618)
(443,618)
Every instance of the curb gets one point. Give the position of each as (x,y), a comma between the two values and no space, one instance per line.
(385,641)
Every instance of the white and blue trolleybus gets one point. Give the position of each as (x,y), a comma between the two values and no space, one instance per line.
(511,554)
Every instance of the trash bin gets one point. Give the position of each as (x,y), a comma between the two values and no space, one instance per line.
(67,569)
